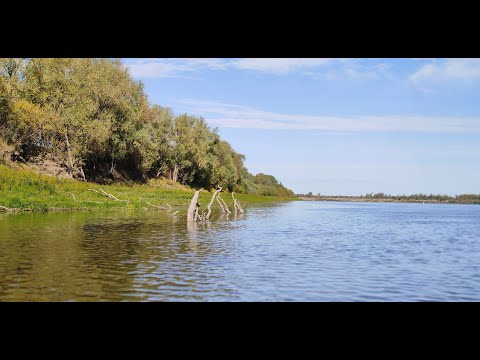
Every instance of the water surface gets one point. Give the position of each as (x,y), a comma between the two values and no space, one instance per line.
(296,251)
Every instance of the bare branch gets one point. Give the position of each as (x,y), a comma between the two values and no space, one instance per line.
(235,208)
(224,204)
(156,206)
(221,206)
(211,202)
(104,193)
(3,208)
(238,208)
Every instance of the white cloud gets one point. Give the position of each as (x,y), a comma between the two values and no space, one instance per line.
(317,68)
(237,116)
(444,72)
(376,71)
(280,65)
(160,68)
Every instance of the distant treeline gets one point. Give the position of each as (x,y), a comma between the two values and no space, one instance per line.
(470,198)
(91,118)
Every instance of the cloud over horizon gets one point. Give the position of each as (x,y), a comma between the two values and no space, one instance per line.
(310,67)
(239,116)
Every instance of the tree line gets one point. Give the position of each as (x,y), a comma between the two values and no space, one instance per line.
(92,118)
(471,198)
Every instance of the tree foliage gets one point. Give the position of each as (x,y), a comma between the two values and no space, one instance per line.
(91,117)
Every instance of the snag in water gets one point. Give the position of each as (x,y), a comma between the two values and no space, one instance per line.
(224,204)
(237,206)
(192,209)
(207,217)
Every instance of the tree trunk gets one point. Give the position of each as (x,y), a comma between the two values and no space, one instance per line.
(193,206)
(159,171)
(69,154)
(175,173)
(83,173)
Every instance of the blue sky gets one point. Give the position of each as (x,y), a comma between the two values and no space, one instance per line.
(336,126)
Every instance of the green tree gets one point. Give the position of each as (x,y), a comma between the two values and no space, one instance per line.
(92,117)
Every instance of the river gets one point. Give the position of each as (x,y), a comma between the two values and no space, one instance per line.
(294,251)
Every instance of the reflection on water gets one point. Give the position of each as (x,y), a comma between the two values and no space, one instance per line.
(307,251)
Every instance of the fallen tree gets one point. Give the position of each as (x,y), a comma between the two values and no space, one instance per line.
(193,213)
(5,209)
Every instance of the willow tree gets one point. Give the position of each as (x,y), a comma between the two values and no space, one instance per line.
(96,101)
(152,140)
(190,141)
(11,73)
(224,171)
(92,117)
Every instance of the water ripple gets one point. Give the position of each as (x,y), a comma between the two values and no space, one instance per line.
(298,251)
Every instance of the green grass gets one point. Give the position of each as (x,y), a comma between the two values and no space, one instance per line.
(24,190)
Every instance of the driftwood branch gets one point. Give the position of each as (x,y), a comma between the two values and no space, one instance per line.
(224,204)
(3,208)
(157,207)
(168,205)
(195,218)
(176,212)
(194,214)
(207,216)
(193,207)
(221,206)
(73,196)
(104,193)
(237,206)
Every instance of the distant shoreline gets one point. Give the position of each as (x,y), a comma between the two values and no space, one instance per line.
(365,199)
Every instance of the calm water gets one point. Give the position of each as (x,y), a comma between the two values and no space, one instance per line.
(297,251)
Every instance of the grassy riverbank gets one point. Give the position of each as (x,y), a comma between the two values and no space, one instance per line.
(24,190)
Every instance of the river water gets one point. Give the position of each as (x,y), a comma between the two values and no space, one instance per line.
(295,251)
